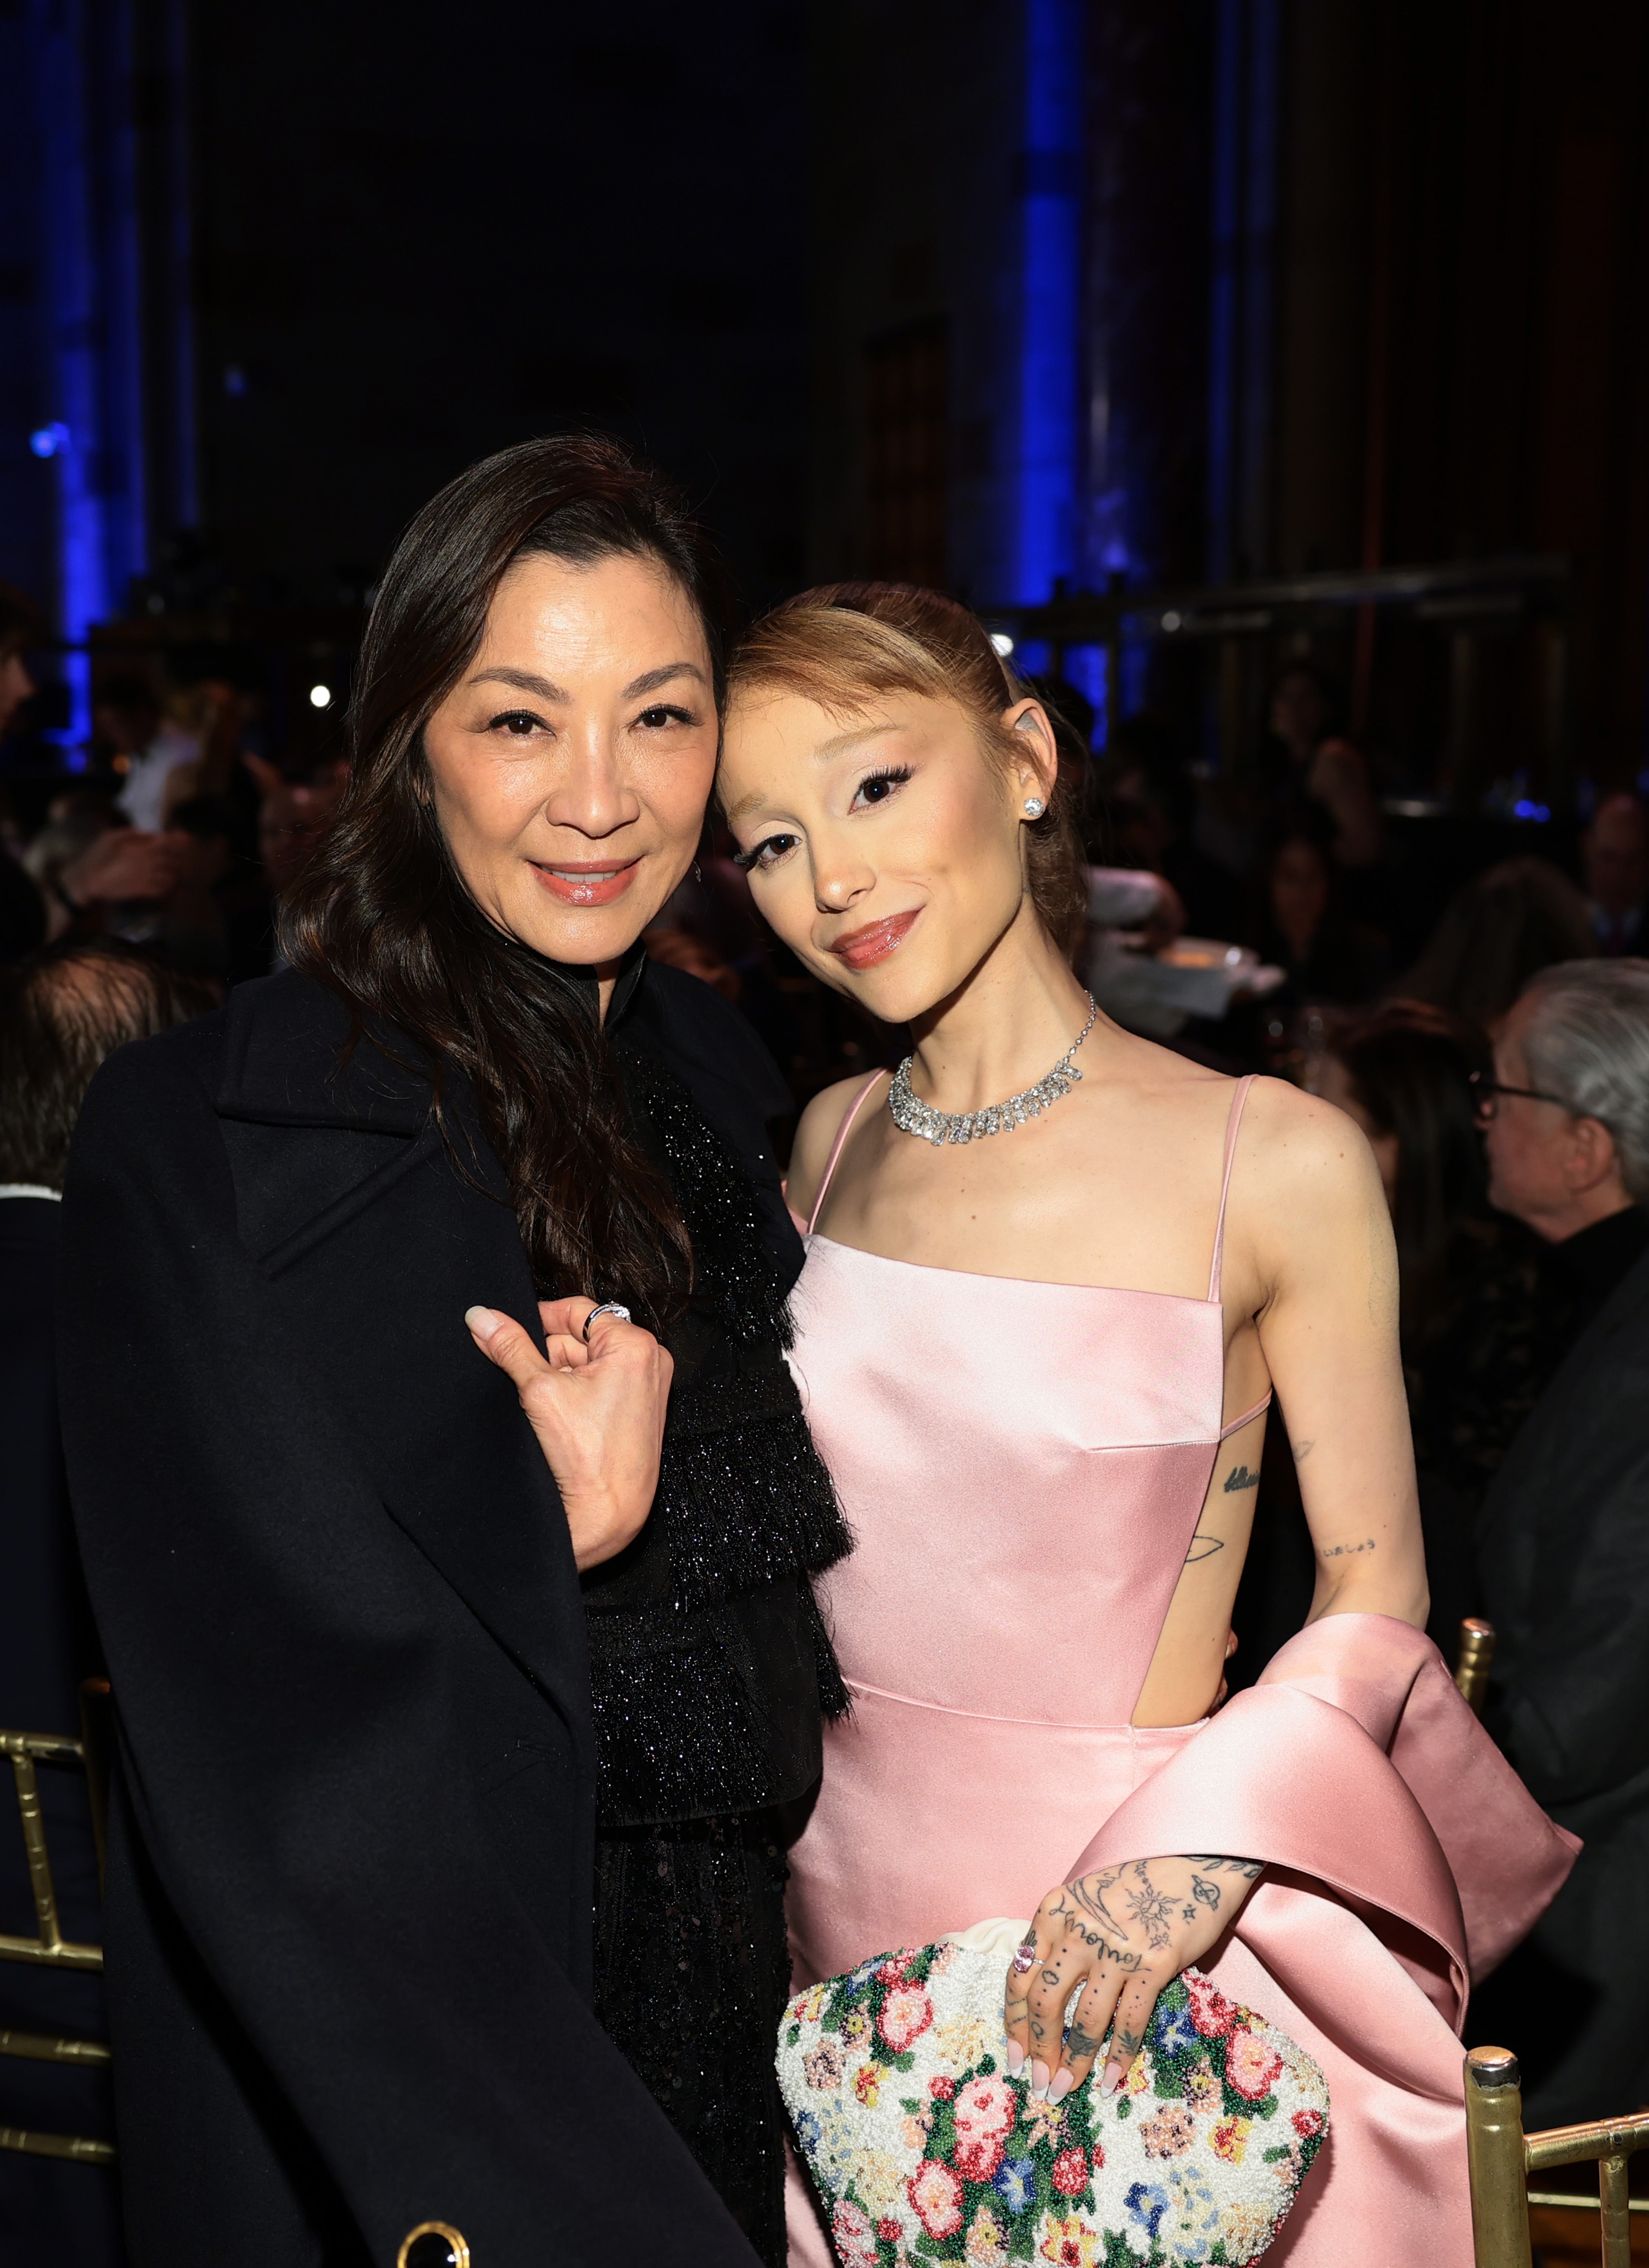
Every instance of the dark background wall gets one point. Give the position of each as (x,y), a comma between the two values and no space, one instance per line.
(1005,294)
(426,232)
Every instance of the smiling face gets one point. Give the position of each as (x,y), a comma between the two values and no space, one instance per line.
(887,847)
(571,763)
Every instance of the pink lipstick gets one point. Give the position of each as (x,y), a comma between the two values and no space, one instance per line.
(862,949)
(586,882)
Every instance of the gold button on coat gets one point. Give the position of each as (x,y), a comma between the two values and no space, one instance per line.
(433,2244)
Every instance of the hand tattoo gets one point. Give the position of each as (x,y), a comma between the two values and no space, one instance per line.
(1151,1909)
(1082,2044)
(1209,1545)
(1206,1894)
(1240,1477)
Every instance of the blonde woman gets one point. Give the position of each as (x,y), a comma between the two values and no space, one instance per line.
(1055,1274)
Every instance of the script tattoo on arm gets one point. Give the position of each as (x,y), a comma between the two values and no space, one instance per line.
(1343,1550)
(1240,1477)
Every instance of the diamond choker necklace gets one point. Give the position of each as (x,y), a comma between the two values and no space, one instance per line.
(912,1116)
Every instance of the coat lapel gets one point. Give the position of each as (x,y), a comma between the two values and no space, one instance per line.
(374,1244)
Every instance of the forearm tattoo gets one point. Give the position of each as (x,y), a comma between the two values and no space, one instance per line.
(1343,1550)
(1240,1477)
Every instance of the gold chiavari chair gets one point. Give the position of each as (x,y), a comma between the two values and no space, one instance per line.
(1502,2157)
(49,1947)
(1472,1658)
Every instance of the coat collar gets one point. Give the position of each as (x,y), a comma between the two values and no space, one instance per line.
(372,1249)
(287,1060)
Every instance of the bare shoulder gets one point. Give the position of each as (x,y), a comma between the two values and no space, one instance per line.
(1304,1167)
(816,1131)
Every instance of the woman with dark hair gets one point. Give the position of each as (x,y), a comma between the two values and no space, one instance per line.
(1404,1073)
(407,1661)
(1324,771)
(1497,932)
(1302,926)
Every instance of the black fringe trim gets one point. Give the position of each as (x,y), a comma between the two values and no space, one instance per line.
(746,1505)
(710,1702)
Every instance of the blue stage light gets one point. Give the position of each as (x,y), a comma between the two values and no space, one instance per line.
(1050,356)
(49,440)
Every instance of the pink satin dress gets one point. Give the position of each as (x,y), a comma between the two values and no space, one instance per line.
(1023,1465)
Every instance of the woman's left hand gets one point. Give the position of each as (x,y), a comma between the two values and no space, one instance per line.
(1123,1934)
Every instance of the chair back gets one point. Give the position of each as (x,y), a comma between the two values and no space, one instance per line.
(1501,2158)
(49,1947)
(1472,1658)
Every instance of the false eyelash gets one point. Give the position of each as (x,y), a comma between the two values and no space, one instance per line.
(896,775)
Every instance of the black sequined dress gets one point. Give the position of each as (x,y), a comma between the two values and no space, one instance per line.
(711,1673)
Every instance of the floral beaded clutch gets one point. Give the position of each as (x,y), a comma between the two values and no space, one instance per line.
(924,2149)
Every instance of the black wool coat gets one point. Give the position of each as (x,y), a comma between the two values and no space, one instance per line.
(348,1900)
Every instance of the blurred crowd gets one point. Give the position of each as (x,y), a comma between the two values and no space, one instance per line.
(180,833)
(1497,1060)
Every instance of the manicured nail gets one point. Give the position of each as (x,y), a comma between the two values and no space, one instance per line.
(481,1320)
(1039,2081)
(1115,2075)
(1016,2058)
(1062,2085)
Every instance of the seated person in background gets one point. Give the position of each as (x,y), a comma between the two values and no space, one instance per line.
(1498,932)
(129,715)
(61,1013)
(22,910)
(1615,859)
(1143,812)
(293,815)
(96,874)
(1564,1539)
(1303,928)
(1466,1280)
(21,626)
(1326,769)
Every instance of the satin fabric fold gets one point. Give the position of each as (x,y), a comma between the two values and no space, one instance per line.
(989,1754)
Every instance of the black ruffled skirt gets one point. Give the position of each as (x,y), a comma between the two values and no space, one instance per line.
(691,1978)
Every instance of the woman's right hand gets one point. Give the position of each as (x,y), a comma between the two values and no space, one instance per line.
(598,1411)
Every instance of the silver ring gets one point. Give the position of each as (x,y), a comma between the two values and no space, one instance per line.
(607,1307)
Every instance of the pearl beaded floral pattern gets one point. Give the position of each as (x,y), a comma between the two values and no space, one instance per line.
(924,2149)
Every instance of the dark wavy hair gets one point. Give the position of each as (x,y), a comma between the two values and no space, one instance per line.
(382,916)
(1410,1065)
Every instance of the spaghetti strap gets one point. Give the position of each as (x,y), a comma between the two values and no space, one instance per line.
(1237,1423)
(1232,1124)
(843,1131)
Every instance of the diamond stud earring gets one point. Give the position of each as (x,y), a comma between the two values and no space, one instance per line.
(1035,807)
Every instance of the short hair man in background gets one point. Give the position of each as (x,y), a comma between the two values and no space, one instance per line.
(1564,1538)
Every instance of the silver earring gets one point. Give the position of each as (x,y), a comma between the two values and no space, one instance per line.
(1035,807)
